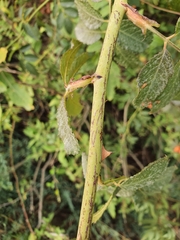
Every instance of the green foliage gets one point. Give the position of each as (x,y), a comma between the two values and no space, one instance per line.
(39,54)
(153,79)
(72,61)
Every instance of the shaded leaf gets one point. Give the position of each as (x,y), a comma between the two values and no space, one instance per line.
(68,25)
(131,38)
(71,145)
(4,172)
(32,31)
(73,105)
(72,61)
(125,57)
(71,12)
(89,16)
(153,78)
(67,4)
(3,54)
(171,90)
(85,35)
(30,58)
(31,68)
(16,92)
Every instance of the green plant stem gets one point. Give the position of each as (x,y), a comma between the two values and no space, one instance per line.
(95,143)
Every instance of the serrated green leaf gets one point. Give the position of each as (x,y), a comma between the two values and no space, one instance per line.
(151,179)
(131,38)
(16,92)
(3,54)
(85,35)
(89,16)
(150,175)
(72,61)
(161,181)
(32,31)
(153,79)
(68,25)
(125,58)
(73,105)
(177,27)
(172,89)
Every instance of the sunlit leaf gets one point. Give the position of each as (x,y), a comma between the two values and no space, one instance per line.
(3,87)
(153,79)
(99,213)
(30,57)
(31,68)
(89,16)
(3,54)
(73,105)
(72,61)
(32,236)
(71,12)
(85,35)
(60,20)
(131,38)
(174,5)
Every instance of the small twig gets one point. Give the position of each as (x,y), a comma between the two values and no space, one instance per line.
(159,8)
(34,13)
(136,160)
(33,186)
(16,178)
(123,145)
(46,165)
(9,203)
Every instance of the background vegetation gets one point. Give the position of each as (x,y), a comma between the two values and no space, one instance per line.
(39,184)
